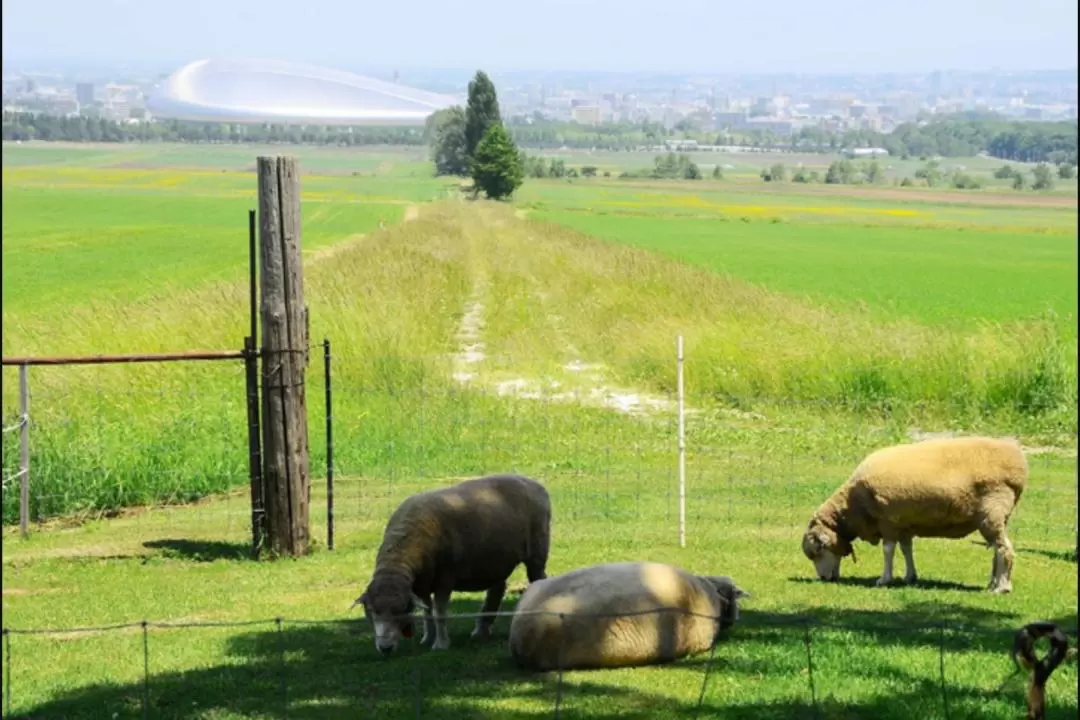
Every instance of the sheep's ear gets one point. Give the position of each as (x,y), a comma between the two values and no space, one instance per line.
(362,600)
(814,541)
(419,603)
(740,593)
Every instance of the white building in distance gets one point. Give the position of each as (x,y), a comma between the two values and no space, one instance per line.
(245,90)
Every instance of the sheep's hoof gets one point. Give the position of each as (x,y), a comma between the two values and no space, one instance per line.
(882,582)
(481,632)
(425,639)
(911,579)
(441,645)
(1002,589)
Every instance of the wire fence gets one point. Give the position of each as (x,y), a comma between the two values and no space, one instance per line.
(106,438)
(280,667)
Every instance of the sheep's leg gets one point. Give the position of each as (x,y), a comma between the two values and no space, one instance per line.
(429,622)
(1003,565)
(1001,569)
(536,563)
(889,547)
(535,569)
(910,575)
(492,601)
(440,607)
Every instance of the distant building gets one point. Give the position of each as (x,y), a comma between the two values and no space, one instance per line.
(586,114)
(762,106)
(84,93)
(62,105)
(778,127)
(730,120)
(867,152)
(681,145)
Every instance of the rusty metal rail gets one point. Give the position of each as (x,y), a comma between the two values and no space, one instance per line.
(137,358)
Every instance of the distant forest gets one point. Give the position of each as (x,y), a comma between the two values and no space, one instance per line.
(947,136)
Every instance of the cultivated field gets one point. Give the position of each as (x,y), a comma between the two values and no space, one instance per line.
(475,337)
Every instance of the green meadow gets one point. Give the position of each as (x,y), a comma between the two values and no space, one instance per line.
(539,337)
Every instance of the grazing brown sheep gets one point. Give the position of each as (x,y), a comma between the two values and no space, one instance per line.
(619,615)
(467,537)
(944,488)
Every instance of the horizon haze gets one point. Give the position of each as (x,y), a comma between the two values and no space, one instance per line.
(556,35)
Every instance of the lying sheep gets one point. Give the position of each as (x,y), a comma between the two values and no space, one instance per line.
(467,537)
(946,488)
(579,620)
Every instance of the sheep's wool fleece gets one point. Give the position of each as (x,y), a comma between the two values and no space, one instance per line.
(538,640)
(935,488)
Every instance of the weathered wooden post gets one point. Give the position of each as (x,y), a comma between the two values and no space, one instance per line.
(286,464)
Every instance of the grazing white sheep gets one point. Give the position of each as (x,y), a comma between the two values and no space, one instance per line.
(944,488)
(580,619)
(467,537)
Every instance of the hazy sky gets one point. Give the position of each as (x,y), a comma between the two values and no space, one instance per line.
(635,35)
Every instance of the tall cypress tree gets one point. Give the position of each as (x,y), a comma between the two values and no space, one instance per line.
(481,112)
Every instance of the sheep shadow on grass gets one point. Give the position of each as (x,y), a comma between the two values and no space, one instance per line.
(871,582)
(200,550)
(757,670)
(1068,556)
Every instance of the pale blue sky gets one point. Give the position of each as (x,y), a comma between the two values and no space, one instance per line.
(632,35)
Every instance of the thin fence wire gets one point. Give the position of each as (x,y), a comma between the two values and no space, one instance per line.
(10,476)
(327,662)
(167,437)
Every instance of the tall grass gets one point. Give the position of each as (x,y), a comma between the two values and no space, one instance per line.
(391,303)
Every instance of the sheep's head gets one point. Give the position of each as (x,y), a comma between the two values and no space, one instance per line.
(388,604)
(730,594)
(825,548)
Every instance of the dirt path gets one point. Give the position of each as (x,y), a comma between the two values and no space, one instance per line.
(577,379)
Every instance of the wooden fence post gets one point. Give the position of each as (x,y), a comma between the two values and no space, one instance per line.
(286,465)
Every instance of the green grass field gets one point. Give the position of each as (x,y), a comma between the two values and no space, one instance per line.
(819,324)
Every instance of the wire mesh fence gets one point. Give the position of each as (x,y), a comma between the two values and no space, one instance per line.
(106,438)
(767,665)
(174,440)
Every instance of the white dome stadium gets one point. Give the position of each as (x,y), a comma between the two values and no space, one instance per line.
(272,91)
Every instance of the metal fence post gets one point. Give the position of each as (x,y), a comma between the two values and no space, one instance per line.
(258,495)
(329,447)
(24,450)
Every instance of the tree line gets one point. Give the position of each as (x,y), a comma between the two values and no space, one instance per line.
(962,135)
(26,126)
(958,136)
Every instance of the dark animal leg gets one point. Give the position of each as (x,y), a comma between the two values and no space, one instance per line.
(492,601)
(536,564)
